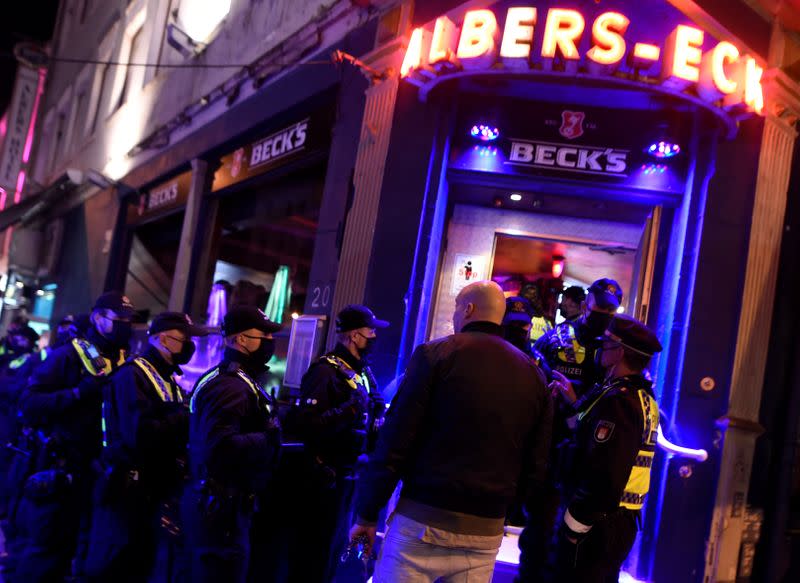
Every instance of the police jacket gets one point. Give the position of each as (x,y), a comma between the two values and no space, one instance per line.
(468,430)
(15,370)
(570,349)
(333,422)
(146,421)
(616,443)
(51,404)
(234,439)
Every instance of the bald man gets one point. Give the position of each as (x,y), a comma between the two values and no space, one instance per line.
(467,433)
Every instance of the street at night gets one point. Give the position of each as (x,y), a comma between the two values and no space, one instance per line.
(305,291)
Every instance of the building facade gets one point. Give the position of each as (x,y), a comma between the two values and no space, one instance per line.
(229,157)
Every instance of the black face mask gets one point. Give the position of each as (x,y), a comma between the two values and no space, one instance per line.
(17,347)
(262,355)
(517,336)
(186,353)
(121,333)
(370,345)
(597,322)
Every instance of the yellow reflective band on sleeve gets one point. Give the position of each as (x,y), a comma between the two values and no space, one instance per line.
(161,386)
(18,362)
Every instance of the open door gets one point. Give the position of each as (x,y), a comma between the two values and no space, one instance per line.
(644,266)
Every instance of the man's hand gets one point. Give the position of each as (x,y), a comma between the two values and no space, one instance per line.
(561,385)
(359,530)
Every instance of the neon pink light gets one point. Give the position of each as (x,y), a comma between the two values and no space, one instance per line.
(20,186)
(4,125)
(3,196)
(26,153)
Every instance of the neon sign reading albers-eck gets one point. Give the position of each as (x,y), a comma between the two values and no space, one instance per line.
(721,73)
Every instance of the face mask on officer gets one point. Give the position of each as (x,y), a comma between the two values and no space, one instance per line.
(185,354)
(261,355)
(609,356)
(19,344)
(117,331)
(365,344)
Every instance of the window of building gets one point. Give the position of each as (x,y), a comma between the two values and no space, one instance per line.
(153,256)
(131,74)
(58,139)
(103,78)
(79,117)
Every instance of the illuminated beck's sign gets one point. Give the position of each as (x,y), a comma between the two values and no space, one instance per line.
(486,39)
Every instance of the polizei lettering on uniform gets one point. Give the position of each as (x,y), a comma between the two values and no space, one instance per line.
(280,144)
(569,158)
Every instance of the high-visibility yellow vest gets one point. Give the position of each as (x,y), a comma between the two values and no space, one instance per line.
(638,484)
(162,387)
(92,359)
(354,379)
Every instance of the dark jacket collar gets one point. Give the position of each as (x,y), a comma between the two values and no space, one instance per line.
(355,363)
(242,361)
(484,327)
(103,345)
(165,369)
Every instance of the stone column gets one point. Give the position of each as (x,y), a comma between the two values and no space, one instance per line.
(373,147)
(740,425)
(199,186)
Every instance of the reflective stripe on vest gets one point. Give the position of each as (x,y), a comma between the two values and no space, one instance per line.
(351,377)
(639,480)
(200,384)
(254,386)
(163,388)
(569,349)
(18,362)
(90,357)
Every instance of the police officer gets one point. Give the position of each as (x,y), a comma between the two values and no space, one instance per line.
(63,402)
(341,409)
(572,300)
(16,365)
(569,350)
(234,443)
(145,431)
(616,434)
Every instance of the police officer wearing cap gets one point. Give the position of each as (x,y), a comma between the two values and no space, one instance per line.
(62,402)
(569,350)
(341,410)
(234,444)
(616,435)
(16,366)
(145,427)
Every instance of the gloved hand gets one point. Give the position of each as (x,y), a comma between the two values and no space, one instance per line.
(91,388)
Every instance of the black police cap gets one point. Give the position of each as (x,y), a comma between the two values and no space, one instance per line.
(356,316)
(607,293)
(241,318)
(518,309)
(633,335)
(175,321)
(116,302)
